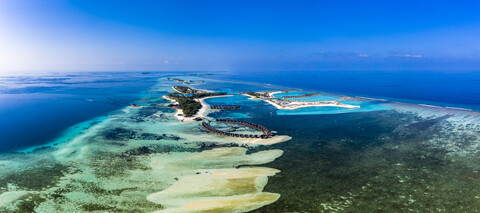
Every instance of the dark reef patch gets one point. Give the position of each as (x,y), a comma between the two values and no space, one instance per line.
(35,178)
(120,134)
(151,136)
(109,205)
(145,114)
(151,149)
(123,134)
(423,127)
(27,203)
(90,207)
(106,164)
(358,163)
(213,145)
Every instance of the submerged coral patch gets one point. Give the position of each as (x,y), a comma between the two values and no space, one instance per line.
(36,178)
(137,152)
(123,134)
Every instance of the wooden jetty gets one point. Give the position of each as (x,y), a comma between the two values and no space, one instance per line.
(225,107)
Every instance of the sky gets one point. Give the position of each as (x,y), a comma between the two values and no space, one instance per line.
(116,35)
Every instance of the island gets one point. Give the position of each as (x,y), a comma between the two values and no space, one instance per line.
(189,102)
(184,81)
(284,103)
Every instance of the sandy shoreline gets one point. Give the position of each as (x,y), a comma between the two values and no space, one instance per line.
(251,96)
(202,112)
(273,93)
(274,104)
(173,87)
(270,94)
(258,141)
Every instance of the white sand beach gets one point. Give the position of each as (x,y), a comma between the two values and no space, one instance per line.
(258,141)
(273,93)
(250,96)
(202,112)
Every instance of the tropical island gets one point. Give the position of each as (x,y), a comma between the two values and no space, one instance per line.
(184,81)
(284,103)
(189,102)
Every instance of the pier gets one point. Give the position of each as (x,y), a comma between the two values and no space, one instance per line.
(266,132)
(225,107)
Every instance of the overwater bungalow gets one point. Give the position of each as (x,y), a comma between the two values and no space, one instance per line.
(267,132)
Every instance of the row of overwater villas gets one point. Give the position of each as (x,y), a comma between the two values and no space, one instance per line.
(216,131)
(225,107)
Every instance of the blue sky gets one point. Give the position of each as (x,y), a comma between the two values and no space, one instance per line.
(239,35)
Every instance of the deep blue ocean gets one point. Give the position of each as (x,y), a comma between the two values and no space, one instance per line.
(446,89)
(37,108)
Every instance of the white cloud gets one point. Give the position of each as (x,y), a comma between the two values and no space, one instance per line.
(363,55)
(166,62)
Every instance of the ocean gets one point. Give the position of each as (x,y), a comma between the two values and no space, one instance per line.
(37,108)
(446,89)
(386,156)
(46,104)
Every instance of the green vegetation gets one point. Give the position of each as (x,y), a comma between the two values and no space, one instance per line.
(189,105)
(258,95)
(186,99)
(187,90)
(176,79)
(184,81)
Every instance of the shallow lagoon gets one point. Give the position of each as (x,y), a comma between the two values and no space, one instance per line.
(396,158)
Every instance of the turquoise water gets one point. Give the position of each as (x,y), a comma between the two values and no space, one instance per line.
(364,107)
(70,133)
(454,89)
(247,106)
(231,100)
(382,157)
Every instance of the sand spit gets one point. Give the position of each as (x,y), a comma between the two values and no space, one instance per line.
(210,182)
(259,141)
(213,159)
(274,104)
(251,97)
(213,184)
(238,203)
